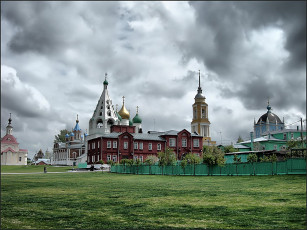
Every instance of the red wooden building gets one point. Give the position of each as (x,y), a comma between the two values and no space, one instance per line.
(123,143)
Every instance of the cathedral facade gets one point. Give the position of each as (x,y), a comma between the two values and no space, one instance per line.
(11,154)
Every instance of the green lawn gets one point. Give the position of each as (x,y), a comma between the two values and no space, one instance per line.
(33,168)
(97,200)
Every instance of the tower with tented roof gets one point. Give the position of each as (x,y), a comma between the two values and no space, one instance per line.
(104,115)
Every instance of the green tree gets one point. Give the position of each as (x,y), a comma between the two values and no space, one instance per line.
(236,160)
(110,162)
(213,156)
(291,144)
(166,158)
(239,139)
(192,159)
(252,158)
(272,159)
(137,163)
(183,164)
(230,149)
(150,160)
(61,136)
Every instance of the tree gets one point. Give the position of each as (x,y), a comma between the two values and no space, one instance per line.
(252,158)
(192,159)
(110,162)
(150,160)
(257,146)
(183,164)
(291,144)
(230,149)
(272,159)
(166,158)
(239,139)
(236,160)
(212,156)
(137,162)
(61,136)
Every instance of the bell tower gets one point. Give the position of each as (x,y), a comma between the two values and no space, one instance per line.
(200,121)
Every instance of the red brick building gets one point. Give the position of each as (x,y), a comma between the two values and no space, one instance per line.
(123,143)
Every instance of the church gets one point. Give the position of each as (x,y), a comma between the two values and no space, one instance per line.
(267,123)
(72,151)
(113,135)
(11,154)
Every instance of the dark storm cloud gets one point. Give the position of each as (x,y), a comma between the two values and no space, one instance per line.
(228,26)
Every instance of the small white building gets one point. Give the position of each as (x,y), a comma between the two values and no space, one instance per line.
(11,154)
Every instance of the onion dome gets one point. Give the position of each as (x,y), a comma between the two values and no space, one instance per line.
(137,119)
(105,80)
(123,112)
(67,135)
(269,117)
(72,134)
(77,127)
(118,116)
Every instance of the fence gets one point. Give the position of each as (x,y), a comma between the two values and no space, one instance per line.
(290,166)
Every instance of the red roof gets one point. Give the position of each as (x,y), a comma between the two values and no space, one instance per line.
(9,139)
(23,150)
(8,149)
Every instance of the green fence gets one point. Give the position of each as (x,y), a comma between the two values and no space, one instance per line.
(291,166)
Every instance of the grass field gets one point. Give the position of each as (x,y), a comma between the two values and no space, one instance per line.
(32,168)
(97,200)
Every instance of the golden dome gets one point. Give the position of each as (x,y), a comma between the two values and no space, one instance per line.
(123,112)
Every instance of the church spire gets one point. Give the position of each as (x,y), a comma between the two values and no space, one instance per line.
(199,90)
(9,128)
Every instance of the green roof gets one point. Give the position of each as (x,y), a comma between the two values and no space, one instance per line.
(105,82)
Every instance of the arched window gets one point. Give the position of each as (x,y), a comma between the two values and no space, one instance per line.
(99,124)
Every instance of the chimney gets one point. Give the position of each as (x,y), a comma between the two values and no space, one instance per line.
(252,140)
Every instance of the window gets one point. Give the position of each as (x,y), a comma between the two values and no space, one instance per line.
(275,147)
(141,145)
(292,135)
(135,145)
(195,143)
(159,146)
(141,158)
(125,145)
(172,142)
(285,136)
(98,144)
(114,144)
(108,144)
(150,146)
(109,157)
(97,157)
(19,158)
(89,147)
(203,113)
(184,142)
(93,158)
(114,158)
(135,158)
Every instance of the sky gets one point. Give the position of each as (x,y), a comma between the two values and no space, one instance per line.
(54,56)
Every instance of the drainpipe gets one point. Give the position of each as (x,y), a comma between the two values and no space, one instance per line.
(252,141)
(101,147)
